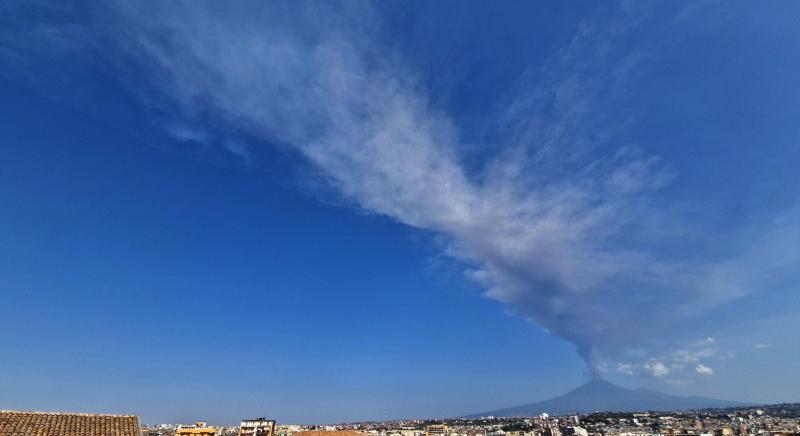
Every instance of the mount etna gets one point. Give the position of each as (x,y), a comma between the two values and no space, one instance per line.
(602,396)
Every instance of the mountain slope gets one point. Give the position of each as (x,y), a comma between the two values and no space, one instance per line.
(600,395)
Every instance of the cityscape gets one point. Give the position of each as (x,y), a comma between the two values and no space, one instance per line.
(768,420)
(772,420)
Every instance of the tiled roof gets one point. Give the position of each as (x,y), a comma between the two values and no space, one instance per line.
(66,424)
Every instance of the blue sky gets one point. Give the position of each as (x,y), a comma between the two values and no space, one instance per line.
(341,211)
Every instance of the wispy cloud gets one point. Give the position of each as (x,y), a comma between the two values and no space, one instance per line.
(550,225)
(656,368)
(688,356)
(680,365)
(703,370)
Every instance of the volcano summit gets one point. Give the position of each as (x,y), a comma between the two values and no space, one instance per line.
(600,395)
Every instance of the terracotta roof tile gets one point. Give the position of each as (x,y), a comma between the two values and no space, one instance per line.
(14,423)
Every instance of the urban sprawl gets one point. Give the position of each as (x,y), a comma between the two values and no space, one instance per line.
(774,420)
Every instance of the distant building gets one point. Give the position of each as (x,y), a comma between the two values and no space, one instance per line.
(72,424)
(411,432)
(724,431)
(328,433)
(257,427)
(579,431)
(436,429)
(200,428)
(551,431)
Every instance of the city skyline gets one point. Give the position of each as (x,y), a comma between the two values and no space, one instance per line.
(348,211)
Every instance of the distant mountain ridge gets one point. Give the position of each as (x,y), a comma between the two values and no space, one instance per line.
(600,395)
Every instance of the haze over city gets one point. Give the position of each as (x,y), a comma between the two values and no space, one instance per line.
(354,211)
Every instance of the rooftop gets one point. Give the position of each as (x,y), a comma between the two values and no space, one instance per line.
(17,423)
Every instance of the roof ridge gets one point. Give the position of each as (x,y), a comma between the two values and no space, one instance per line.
(35,412)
